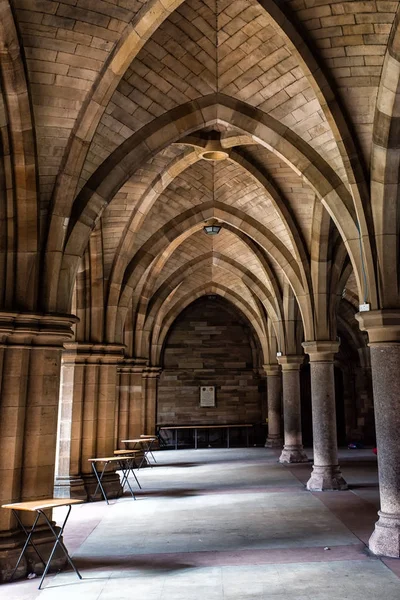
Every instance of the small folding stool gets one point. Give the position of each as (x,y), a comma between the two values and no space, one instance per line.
(40,506)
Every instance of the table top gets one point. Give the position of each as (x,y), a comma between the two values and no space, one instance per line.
(138,440)
(109,459)
(205,426)
(42,504)
(127,451)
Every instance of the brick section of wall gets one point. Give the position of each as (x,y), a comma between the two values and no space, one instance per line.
(208,345)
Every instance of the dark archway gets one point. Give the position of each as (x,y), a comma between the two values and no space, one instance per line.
(210,344)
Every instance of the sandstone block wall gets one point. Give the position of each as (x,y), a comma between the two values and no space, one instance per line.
(208,345)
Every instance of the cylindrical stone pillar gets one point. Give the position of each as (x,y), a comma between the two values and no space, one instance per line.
(383,328)
(293,442)
(326,473)
(274,388)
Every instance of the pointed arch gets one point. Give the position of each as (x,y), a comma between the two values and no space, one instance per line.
(20,214)
(170,128)
(161,329)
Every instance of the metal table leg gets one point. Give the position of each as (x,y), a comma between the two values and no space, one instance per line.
(126,469)
(227,438)
(99,485)
(58,542)
(195,438)
(27,542)
(146,452)
(176,439)
(150,451)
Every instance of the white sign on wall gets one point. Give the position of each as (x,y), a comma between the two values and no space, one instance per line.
(207,395)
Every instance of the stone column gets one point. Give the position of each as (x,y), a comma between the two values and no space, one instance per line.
(274,387)
(30,359)
(87,417)
(326,473)
(150,388)
(293,449)
(130,399)
(383,327)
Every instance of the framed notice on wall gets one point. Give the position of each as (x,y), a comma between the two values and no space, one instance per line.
(207,395)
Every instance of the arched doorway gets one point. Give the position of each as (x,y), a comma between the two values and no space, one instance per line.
(210,344)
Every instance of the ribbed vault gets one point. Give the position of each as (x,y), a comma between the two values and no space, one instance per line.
(119,102)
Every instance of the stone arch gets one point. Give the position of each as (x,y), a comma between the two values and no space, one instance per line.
(177,277)
(172,234)
(161,182)
(291,344)
(133,39)
(162,330)
(168,129)
(385,179)
(144,288)
(20,215)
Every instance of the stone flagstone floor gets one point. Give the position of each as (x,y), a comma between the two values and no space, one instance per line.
(226,524)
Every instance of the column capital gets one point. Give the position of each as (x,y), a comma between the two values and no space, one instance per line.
(291,362)
(272,370)
(87,353)
(321,350)
(382,326)
(132,365)
(35,329)
(151,372)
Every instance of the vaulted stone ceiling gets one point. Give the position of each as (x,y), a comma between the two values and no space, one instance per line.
(124,96)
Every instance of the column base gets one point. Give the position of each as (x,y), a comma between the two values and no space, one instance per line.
(11,544)
(293,454)
(110,482)
(70,487)
(274,442)
(385,541)
(327,478)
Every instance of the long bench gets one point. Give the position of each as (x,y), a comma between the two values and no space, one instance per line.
(228,427)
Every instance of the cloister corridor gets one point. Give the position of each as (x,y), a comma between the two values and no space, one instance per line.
(227,524)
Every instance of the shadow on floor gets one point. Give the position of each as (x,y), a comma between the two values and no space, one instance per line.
(152,563)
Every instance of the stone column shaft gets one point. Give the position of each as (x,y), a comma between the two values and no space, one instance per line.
(30,359)
(326,473)
(130,420)
(383,328)
(150,389)
(293,442)
(274,387)
(87,416)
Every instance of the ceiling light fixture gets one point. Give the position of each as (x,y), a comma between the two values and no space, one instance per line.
(213,149)
(212,229)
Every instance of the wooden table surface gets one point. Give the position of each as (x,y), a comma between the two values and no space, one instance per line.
(108,459)
(205,426)
(42,504)
(139,440)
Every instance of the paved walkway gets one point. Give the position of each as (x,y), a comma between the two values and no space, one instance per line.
(226,524)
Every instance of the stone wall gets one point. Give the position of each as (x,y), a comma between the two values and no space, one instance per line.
(209,345)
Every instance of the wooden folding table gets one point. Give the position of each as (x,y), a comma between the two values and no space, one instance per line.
(40,506)
(146,442)
(125,464)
